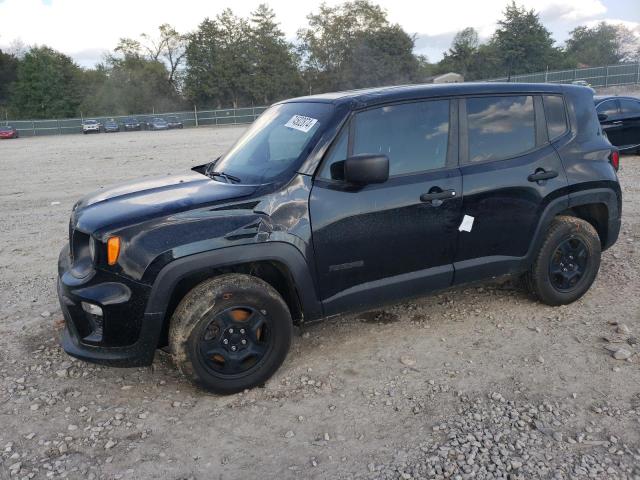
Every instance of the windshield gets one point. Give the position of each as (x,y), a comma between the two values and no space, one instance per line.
(276,142)
(90,122)
(6,129)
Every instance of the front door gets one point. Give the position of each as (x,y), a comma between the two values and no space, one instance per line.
(379,243)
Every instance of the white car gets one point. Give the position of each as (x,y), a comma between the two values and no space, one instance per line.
(89,126)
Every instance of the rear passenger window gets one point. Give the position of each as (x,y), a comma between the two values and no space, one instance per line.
(610,107)
(555,114)
(500,127)
(413,135)
(629,106)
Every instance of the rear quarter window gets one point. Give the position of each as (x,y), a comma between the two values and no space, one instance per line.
(555,113)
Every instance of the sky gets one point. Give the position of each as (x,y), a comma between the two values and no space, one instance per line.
(86,29)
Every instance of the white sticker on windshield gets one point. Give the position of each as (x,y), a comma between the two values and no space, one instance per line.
(302,123)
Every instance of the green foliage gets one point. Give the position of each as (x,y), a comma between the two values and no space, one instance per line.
(522,43)
(8,74)
(232,61)
(602,44)
(353,45)
(275,73)
(47,85)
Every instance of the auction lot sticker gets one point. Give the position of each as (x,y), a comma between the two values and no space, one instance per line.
(302,123)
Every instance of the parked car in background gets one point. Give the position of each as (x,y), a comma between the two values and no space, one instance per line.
(111,126)
(91,126)
(620,120)
(336,203)
(8,132)
(131,123)
(174,122)
(158,124)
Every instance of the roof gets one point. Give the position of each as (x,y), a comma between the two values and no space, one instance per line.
(372,96)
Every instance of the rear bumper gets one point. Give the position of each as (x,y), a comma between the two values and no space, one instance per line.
(124,336)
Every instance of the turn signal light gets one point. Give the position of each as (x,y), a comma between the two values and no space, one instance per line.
(614,158)
(113,250)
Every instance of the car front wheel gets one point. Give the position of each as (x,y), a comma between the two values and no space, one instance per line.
(567,263)
(230,333)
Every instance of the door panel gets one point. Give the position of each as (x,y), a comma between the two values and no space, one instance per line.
(382,242)
(630,117)
(612,125)
(505,197)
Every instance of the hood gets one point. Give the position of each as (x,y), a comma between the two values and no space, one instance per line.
(133,202)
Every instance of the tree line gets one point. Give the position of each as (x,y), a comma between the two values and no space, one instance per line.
(231,61)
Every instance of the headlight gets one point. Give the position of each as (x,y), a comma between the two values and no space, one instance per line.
(92,249)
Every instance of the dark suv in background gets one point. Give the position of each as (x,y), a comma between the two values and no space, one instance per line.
(620,120)
(337,203)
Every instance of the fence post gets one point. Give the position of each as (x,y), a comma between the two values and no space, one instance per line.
(638,75)
(195,113)
(59,129)
(33,127)
(546,75)
(606,78)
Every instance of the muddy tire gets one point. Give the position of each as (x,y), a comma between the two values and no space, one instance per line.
(567,262)
(230,333)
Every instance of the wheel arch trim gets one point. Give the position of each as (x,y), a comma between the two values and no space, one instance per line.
(287,255)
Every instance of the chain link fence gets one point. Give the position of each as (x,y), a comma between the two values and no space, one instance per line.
(195,118)
(609,76)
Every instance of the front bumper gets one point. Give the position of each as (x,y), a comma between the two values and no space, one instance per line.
(125,336)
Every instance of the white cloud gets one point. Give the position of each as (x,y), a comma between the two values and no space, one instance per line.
(78,27)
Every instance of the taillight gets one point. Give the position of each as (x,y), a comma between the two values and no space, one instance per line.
(614,159)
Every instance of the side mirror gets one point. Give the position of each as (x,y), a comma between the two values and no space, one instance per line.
(366,169)
(602,117)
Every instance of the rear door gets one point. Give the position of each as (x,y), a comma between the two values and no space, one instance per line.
(378,243)
(630,116)
(611,121)
(509,171)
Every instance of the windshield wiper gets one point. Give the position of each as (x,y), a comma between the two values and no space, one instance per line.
(228,178)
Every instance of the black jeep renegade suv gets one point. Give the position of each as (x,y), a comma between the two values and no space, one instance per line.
(335,203)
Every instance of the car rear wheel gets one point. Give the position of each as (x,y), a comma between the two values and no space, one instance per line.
(567,263)
(230,333)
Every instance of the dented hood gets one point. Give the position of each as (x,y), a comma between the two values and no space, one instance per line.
(137,201)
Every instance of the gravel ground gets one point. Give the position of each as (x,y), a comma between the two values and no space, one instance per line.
(476,382)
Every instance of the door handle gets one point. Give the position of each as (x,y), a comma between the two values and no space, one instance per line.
(437,195)
(541,174)
(619,122)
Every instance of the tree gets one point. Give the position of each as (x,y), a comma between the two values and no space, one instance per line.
(8,74)
(463,54)
(219,62)
(47,85)
(168,47)
(275,73)
(603,44)
(132,84)
(381,57)
(329,44)
(523,44)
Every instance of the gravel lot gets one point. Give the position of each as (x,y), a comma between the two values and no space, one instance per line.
(476,382)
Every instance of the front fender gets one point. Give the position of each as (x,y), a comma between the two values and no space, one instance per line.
(286,254)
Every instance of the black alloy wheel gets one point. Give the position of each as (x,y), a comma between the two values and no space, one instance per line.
(235,341)
(568,264)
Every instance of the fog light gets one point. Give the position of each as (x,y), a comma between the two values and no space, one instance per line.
(92,309)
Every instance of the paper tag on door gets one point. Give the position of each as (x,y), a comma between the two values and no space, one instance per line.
(467,224)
